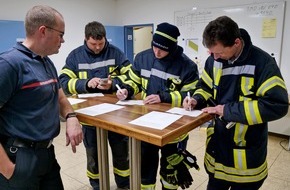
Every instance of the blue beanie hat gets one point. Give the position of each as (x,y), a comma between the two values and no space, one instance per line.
(165,37)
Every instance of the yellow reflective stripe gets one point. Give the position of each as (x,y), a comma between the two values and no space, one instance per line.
(238,171)
(241,179)
(190,86)
(206,79)
(240,159)
(252,112)
(83,75)
(240,133)
(72,86)
(204,94)
(125,69)
(121,77)
(209,162)
(168,185)
(148,187)
(134,81)
(132,84)
(180,138)
(134,77)
(144,83)
(175,99)
(166,36)
(123,173)
(270,83)
(69,73)
(246,85)
(209,132)
(234,174)
(217,73)
(92,176)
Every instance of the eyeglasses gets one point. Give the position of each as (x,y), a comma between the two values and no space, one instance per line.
(61,33)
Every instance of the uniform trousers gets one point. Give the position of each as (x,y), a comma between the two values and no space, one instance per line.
(120,156)
(150,160)
(35,169)
(217,184)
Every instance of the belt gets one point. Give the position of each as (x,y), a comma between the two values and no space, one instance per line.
(22,143)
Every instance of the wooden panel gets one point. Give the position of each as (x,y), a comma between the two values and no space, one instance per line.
(118,121)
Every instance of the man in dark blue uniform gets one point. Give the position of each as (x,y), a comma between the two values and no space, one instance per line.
(93,67)
(31,100)
(242,85)
(162,73)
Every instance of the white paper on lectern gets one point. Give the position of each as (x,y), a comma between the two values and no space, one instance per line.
(88,95)
(182,111)
(130,102)
(156,120)
(73,101)
(99,109)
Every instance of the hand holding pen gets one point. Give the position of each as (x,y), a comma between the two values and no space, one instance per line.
(121,93)
(188,96)
(189,103)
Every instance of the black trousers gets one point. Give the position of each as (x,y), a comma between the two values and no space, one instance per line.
(120,157)
(35,169)
(217,184)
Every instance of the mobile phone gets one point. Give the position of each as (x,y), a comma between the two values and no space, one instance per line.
(103,81)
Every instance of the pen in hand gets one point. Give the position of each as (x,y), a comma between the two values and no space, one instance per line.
(119,88)
(188,95)
(228,124)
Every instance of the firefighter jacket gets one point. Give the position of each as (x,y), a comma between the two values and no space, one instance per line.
(253,93)
(171,77)
(82,65)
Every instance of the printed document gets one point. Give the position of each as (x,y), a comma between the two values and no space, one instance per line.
(130,102)
(156,120)
(182,111)
(73,101)
(99,109)
(88,95)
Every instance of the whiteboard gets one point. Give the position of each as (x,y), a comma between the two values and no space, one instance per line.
(263,21)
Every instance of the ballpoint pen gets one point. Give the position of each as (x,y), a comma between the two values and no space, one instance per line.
(188,95)
(119,88)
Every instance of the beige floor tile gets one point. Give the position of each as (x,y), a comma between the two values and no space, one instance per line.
(71,183)
(73,165)
(272,183)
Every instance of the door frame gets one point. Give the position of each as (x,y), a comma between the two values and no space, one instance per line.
(129,39)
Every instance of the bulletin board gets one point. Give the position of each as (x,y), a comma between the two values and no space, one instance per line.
(263,21)
(10,33)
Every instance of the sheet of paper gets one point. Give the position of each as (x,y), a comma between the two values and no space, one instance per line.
(99,109)
(182,111)
(90,95)
(156,120)
(131,102)
(73,101)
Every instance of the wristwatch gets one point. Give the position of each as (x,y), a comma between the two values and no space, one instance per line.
(69,115)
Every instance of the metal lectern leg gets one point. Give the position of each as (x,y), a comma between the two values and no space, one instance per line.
(103,163)
(135,163)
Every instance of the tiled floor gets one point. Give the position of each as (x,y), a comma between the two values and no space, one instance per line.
(73,166)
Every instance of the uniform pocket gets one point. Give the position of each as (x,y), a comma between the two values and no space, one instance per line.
(25,167)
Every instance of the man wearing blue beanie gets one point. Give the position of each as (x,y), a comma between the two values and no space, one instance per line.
(163,73)
(165,37)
